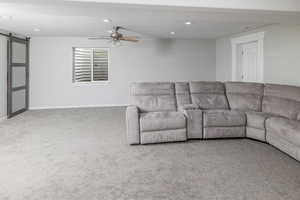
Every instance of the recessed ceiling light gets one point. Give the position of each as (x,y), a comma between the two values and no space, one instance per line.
(106,20)
(172,33)
(109,31)
(37,29)
(188,23)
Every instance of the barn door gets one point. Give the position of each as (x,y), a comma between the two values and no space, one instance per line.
(17,76)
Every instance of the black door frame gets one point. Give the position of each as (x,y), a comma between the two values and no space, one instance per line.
(10,66)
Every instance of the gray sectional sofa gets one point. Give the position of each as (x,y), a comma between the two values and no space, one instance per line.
(169,112)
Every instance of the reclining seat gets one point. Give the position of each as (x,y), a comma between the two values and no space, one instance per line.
(247,97)
(283,131)
(218,120)
(153,117)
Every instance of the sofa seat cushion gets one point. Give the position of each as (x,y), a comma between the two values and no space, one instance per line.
(257,119)
(223,118)
(154,121)
(286,129)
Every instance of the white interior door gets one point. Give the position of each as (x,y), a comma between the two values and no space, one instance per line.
(249,67)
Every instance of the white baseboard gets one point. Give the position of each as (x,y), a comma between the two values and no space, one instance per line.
(80,106)
(3,118)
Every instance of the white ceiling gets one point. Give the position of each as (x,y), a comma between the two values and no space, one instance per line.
(66,18)
(270,5)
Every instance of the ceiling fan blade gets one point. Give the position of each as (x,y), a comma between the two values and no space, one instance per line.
(130,38)
(141,33)
(100,38)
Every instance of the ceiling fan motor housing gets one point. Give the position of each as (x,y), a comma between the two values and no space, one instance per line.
(116,35)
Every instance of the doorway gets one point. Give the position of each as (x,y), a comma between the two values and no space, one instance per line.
(247,58)
(248,62)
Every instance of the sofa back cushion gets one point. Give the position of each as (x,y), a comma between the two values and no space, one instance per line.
(244,96)
(182,91)
(281,100)
(150,97)
(208,95)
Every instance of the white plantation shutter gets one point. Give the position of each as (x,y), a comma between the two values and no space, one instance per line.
(82,64)
(100,65)
(90,64)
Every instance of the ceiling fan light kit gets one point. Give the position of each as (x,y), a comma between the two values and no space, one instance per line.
(116,43)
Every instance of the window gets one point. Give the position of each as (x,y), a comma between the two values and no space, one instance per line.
(90,64)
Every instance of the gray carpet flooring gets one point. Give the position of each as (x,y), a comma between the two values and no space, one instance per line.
(82,154)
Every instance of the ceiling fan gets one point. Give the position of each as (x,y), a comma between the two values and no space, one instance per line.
(116,37)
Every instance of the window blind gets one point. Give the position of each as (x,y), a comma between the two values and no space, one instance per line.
(90,64)
(100,65)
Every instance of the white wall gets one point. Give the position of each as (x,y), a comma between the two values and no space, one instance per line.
(223,59)
(3,66)
(152,60)
(281,54)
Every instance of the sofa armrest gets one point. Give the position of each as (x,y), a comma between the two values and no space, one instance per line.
(188,107)
(133,125)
